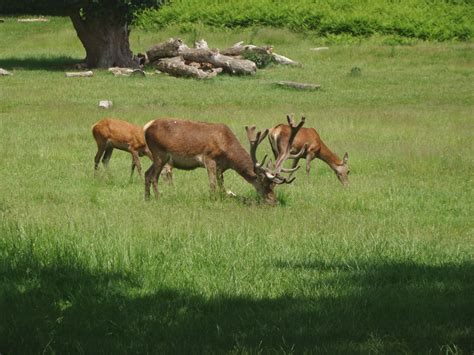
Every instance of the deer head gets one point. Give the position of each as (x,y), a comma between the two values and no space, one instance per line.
(342,170)
(270,175)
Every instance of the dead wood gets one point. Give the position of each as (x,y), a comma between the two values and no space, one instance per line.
(38,19)
(79,74)
(299,86)
(212,56)
(284,60)
(203,58)
(201,44)
(239,49)
(317,49)
(177,67)
(126,71)
(168,49)
(4,72)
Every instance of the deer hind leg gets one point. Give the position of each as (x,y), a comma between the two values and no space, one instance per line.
(152,175)
(100,152)
(107,155)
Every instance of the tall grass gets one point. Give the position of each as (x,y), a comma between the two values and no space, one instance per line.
(421,19)
(384,266)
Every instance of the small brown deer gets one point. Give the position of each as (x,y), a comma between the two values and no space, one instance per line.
(315,148)
(112,133)
(188,145)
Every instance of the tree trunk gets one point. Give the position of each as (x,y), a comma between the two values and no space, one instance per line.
(105,39)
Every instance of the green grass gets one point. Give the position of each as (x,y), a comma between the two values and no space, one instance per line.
(384,266)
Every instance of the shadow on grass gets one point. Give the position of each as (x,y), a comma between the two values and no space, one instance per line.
(388,308)
(39,63)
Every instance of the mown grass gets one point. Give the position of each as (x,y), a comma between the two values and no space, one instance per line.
(438,20)
(384,266)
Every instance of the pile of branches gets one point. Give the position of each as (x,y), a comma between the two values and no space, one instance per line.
(177,59)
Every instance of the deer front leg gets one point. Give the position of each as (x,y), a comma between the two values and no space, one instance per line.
(211,167)
(309,158)
(135,162)
(220,181)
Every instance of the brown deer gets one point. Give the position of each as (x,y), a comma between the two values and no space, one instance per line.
(188,145)
(112,133)
(315,148)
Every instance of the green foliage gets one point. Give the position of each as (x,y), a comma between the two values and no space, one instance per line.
(356,71)
(262,60)
(423,19)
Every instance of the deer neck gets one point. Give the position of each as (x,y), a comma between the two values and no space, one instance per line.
(245,169)
(331,159)
(241,162)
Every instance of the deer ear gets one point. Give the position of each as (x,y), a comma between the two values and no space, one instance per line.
(346,158)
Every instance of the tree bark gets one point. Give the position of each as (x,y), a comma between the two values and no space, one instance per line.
(300,86)
(240,48)
(177,67)
(168,49)
(228,64)
(105,39)
(201,54)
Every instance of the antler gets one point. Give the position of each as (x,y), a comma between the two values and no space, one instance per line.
(273,172)
(255,139)
(286,153)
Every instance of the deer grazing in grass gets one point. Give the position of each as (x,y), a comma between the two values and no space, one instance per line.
(111,133)
(188,145)
(315,148)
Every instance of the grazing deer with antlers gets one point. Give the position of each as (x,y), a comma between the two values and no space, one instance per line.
(111,133)
(188,145)
(315,148)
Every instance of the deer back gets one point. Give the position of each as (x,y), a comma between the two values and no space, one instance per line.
(119,134)
(280,134)
(189,143)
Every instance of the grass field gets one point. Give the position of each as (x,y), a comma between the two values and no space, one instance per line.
(383,266)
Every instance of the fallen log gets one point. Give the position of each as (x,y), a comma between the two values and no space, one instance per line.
(201,44)
(212,56)
(39,19)
(239,49)
(299,86)
(284,60)
(4,72)
(168,49)
(177,67)
(79,74)
(261,56)
(318,49)
(126,71)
